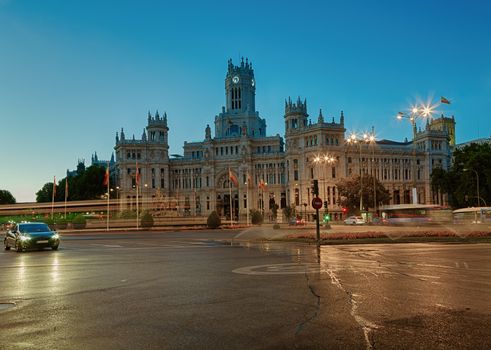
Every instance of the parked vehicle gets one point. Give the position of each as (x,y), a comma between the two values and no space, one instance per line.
(296,221)
(31,235)
(354,220)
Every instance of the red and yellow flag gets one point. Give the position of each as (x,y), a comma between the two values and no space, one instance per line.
(233,178)
(262,185)
(137,176)
(106,177)
(444,100)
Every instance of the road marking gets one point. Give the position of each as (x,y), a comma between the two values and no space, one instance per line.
(278,269)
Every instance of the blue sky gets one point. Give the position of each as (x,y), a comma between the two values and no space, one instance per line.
(72,73)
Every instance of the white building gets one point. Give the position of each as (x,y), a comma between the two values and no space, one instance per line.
(269,169)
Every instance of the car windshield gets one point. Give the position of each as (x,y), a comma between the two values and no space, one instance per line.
(29,228)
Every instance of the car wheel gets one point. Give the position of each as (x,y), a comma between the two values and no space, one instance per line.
(18,247)
(55,247)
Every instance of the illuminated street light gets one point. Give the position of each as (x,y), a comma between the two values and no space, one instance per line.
(365,139)
(326,159)
(477,186)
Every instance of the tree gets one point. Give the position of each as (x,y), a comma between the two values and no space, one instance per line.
(439,182)
(289,211)
(349,192)
(6,197)
(45,193)
(87,184)
(460,182)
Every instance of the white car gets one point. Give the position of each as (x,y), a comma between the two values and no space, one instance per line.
(354,220)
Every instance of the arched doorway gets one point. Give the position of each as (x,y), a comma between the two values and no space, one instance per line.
(224,205)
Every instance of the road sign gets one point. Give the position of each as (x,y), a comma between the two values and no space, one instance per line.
(316,203)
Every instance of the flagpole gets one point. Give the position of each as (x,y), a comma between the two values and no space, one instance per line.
(137,178)
(53,197)
(66,193)
(247,201)
(230,194)
(108,194)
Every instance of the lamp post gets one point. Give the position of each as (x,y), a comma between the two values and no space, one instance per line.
(423,111)
(324,160)
(370,139)
(477,185)
(355,139)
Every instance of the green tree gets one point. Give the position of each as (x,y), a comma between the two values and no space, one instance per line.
(349,192)
(289,211)
(6,197)
(87,184)
(45,194)
(460,182)
(439,182)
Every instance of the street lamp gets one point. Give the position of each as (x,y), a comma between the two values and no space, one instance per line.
(477,185)
(324,160)
(355,139)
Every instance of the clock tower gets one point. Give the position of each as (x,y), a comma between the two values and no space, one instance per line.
(239,116)
(240,88)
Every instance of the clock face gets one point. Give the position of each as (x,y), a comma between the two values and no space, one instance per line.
(235,79)
(253,82)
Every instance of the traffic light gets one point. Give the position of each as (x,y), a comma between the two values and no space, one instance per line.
(325,204)
(327,217)
(316,187)
(345,210)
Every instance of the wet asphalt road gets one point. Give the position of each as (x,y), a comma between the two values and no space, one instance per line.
(195,290)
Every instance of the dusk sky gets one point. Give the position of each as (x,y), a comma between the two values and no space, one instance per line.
(72,73)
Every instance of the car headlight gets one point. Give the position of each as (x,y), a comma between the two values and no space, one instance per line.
(55,236)
(25,238)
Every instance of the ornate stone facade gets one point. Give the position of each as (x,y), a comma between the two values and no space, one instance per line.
(268,169)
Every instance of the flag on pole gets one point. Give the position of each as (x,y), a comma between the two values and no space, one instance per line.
(444,100)
(262,185)
(106,176)
(249,179)
(106,183)
(66,192)
(233,178)
(137,177)
(53,197)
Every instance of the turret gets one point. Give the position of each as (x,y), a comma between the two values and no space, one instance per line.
(240,87)
(157,129)
(320,119)
(295,114)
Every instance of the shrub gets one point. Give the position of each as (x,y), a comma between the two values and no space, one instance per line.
(147,220)
(214,220)
(79,222)
(256,217)
(128,214)
(50,222)
(61,223)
